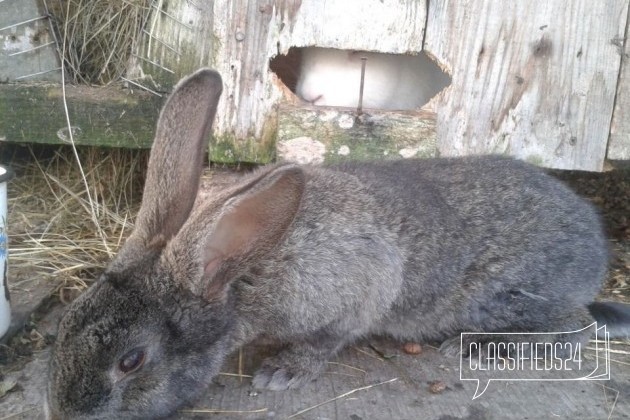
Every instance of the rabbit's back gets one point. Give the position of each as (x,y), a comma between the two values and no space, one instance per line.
(338,266)
(484,239)
(425,249)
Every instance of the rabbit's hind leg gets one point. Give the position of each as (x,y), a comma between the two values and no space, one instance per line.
(562,333)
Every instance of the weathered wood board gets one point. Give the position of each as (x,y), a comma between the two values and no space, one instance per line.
(239,37)
(178,39)
(315,135)
(541,88)
(619,142)
(540,83)
(106,116)
(27,47)
(534,82)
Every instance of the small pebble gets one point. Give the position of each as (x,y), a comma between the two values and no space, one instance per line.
(412,348)
(437,387)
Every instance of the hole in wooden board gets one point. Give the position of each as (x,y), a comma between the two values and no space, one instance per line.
(287,67)
(332,77)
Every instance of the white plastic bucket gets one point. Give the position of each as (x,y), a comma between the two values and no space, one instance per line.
(5,308)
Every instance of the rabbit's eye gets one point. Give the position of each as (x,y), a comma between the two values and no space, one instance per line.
(131,361)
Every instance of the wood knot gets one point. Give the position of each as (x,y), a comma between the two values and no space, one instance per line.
(542,48)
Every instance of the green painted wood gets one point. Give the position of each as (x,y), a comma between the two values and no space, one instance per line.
(107,116)
(104,116)
(114,117)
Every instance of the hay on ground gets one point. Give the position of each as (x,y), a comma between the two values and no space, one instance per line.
(52,230)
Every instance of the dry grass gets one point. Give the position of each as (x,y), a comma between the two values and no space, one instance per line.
(53,231)
(97,37)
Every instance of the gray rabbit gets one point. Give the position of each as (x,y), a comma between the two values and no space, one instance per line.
(315,258)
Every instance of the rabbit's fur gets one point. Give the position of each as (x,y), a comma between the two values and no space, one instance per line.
(331,77)
(315,257)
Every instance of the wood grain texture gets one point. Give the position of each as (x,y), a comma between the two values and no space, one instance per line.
(177,40)
(534,82)
(314,135)
(391,26)
(619,142)
(100,116)
(239,37)
(253,32)
(538,83)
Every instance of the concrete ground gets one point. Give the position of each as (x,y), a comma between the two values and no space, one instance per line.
(371,380)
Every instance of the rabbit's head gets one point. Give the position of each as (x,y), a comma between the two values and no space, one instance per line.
(155,328)
(134,346)
(131,345)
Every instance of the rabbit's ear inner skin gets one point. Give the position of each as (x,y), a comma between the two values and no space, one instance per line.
(176,163)
(255,220)
(224,236)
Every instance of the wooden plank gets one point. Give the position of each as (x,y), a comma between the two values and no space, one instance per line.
(107,116)
(177,39)
(391,26)
(534,82)
(619,142)
(182,36)
(315,135)
(27,50)
(239,37)
(252,33)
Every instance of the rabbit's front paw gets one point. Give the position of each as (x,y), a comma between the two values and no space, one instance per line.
(288,370)
(279,374)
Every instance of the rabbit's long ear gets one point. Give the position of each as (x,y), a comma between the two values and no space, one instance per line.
(176,160)
(247,226)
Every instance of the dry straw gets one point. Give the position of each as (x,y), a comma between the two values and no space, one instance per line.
(52,230)
(72,211)
(97,36)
